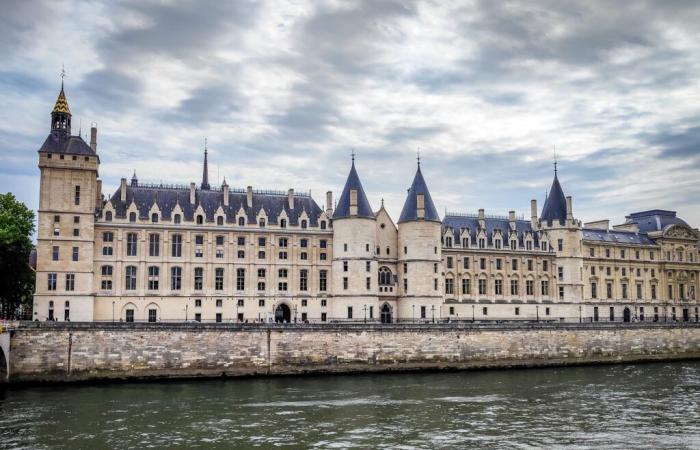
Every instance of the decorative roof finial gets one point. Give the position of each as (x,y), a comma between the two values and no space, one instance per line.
(418,156)
(63,74)
(555,160)
(205,171)
(352,154)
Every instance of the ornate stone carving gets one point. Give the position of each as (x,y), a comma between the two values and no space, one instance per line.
(680,232)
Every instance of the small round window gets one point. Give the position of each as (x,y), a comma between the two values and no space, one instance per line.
(382,226)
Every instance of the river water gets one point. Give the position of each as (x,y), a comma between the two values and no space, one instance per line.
(622,406)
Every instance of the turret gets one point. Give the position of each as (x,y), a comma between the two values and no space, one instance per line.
(354,264)
(419,254)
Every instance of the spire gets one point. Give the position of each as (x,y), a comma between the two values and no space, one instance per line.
(353,201)
(61,115)
(555,202)
(419,204)
(205,173)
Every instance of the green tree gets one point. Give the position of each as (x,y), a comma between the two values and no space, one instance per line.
(16,276)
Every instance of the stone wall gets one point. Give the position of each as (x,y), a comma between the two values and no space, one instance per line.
(66,352)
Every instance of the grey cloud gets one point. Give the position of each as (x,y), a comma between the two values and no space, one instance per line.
(110,90)
(683,144)
(214,102)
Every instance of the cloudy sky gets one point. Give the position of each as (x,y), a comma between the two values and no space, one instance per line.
(283,90)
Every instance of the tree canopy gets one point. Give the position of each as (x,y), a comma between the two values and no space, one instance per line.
(16,276)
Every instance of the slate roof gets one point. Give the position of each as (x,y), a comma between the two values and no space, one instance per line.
(460,222)
(342,210)
(410,208)
(555,205)
(166,198)
(70,145)
(61,105)
(654,220)
(616,237)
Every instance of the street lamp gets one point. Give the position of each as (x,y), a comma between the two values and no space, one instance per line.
(295,313)
(473,313)
(365,309)
(433,309)
(112,311)
(413,316)
(186,307)
(537,307)
(580,317)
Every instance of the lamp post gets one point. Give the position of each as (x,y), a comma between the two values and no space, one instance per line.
(580,317)
(413,316)
(186,307)
(112,311)
(295,313)
(433,309)
(473,313)
(537,308)
(365,309)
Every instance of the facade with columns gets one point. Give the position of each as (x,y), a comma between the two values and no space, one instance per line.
(222,254)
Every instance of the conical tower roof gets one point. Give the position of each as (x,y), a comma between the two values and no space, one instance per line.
(410,207)
(363,207)
(555,204)
(61,105)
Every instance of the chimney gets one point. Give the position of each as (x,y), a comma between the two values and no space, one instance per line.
(98,195)
(511,216)
(482,217)
(192,192)
(249,196)
(481,214)
(290,198)
(533,213)
(93,137)
(569,208)
(122,191)
(329,203)
(225,194)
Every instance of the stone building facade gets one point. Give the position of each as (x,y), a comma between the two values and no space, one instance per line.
(222,254)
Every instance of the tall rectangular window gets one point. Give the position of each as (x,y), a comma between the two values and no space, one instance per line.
(52,282)
(482,287)
(498,287)
(153,245)
(219,279)
(560,244)
(130,278)
(466,286)
(545,288)
(176,278)
(240,279)
(303,280)
(131,242)
(594,290)
(54,253)
(198,278)
(75,254)
(176,245)
(529,287)
(322,280)
(77,195)
(106,283)
(153,278)
(449,286)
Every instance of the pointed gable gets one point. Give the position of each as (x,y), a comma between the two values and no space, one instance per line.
(353,201)
(555,204)
(419,204)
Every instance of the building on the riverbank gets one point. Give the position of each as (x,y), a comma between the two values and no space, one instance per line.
(221,254)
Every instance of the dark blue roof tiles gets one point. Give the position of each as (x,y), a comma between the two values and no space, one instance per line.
(71,145)
(616,237)
(342,209)
(555,204)
(410,207)
(458,222)
(210,201)
(654,220)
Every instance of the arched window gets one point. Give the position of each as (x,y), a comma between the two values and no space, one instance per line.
(200,219)
(283,223)
(220,220)
(323,224)
(154,217)
(132,217)
(303,224)
(177,218)
(108,216)
(241,221)
(385,277)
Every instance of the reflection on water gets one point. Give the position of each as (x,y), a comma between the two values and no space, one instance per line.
(626,406)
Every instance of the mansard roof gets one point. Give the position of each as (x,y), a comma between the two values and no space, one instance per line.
(555,204)
(70,145)
(616,237)
(410,207)
(655,220)
(342,210)
(460,222)
(166,198)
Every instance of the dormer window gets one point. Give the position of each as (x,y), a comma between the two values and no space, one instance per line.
(303,224)
(220,220)
(513,244)
(482,243)
(283,223)
(176,219)
(154,218)
(108,216)
(261,223)
(200,219)
(132,217)
(323,224)
(498,243)
(241,221)
(353,202)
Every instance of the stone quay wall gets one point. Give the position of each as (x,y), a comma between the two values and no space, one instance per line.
(90,351)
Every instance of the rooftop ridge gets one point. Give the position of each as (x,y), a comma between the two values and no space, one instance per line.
(175,186)
(486,216)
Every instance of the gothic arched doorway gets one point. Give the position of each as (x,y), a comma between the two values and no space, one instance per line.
(626,315)
(283,314)
(386,313)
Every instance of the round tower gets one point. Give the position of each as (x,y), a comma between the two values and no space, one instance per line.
(354,266)
(420,255)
